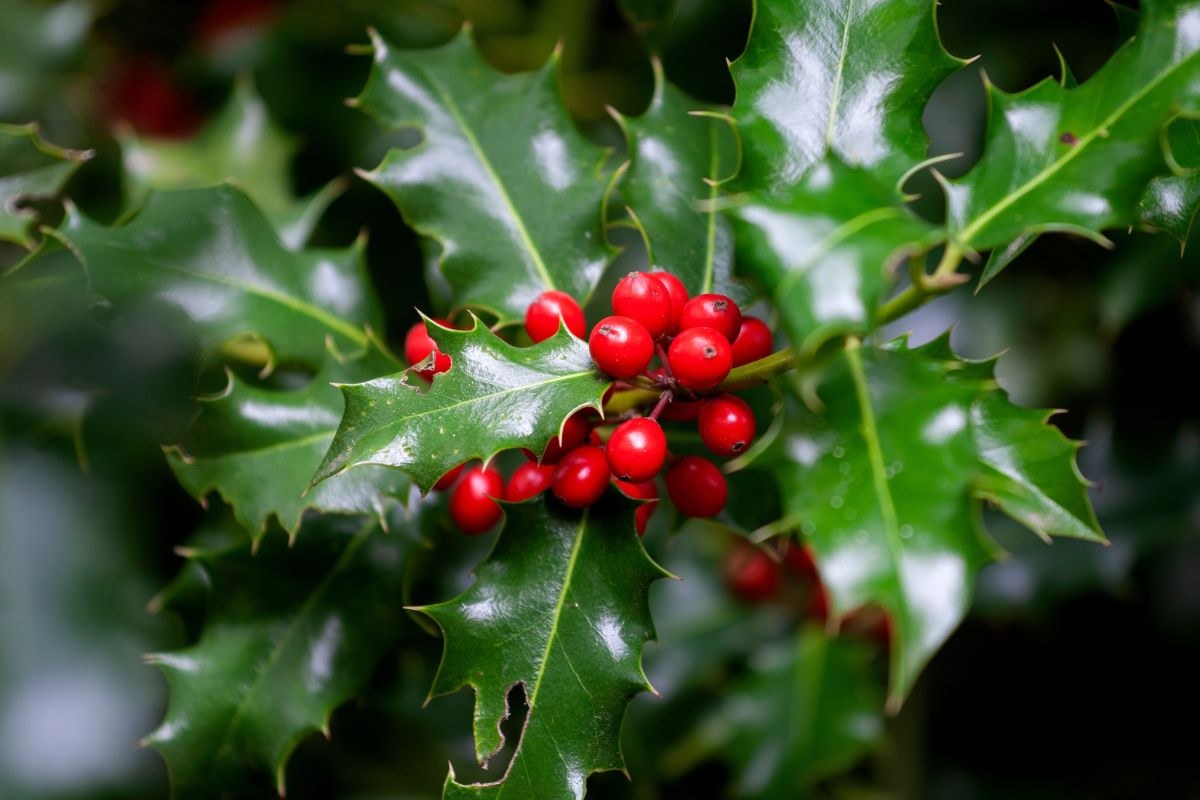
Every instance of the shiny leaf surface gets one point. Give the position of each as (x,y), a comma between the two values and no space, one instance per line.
(494,397)
(1078,159)
(561,608)
(882,485)
(241,145)
(209,261)
(1171,202)
(671,154)
(290,633)
(258,448)
(827,249)
(820,702)
(836,76)
(501,179)
(30,169)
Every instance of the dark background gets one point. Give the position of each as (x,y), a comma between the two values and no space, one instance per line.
(1075,674)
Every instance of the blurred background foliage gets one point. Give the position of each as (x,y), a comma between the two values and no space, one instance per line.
(1061,682)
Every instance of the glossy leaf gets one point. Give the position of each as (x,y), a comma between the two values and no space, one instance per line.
(242,145)
(882,485)
(827,249)
(494,397)
(831,76)
(208,260)
(1170,203)
(806,710)
(671,155)
(290,634)
(1077,159)
(258,448)
(30,169)
(561,608)
(501,179)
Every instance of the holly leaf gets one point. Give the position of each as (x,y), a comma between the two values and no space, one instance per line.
(30,169)
(291,632)
(209,261)
(836,77)
(494,397)
(826,249)
(259,447)
(671,156)
(1170,203)
(240,145)
(1077,159)
(883,485)
(561,608)
(819,698)
(502,179)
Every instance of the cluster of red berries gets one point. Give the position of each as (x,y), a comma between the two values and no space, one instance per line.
(697,341)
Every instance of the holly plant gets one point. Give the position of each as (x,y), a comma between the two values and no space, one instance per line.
(631,340)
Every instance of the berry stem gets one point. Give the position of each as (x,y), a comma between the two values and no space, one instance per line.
(663,399)
(925,286)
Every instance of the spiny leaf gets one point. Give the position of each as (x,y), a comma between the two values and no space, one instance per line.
(1077,159)
(207,259)
(671,155)
(258,448)
(290,634)
(494,397)
(30,169)
(827,249)
(845,77)
(241,145)
(560,607)
(806,710)
(881,484)
(1170,203)
(502,179)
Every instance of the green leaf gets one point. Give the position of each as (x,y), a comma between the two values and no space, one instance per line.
(1170,203)
(240,144)
(883,485)
(494,397)
(501,179)
(1077,159)
(209,260)
(290,634)
(561,608)
(827,249)
(671,155)
(836,76)
(37,42)
(30,169)
(805,711)
(258,448)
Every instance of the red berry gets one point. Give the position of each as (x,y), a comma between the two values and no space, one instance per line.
(542,316)
(447,480)
(641,296)
(712,311)
(751,574)
(529,480)
(679,297)
(637,450)
(471,505)
(581,477)
(594,439)
(700,358)
(697,487)
(682,410)
(574,433)
(754,341)
(418,345)
(621,347)
(641,491)
(726,425)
